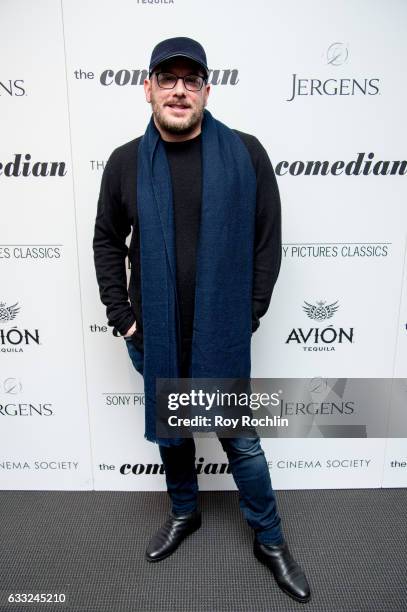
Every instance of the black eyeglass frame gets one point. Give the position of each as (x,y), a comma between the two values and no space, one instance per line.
(204,80)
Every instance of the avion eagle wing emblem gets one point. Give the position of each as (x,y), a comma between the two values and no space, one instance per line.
(8,313)
(321,310)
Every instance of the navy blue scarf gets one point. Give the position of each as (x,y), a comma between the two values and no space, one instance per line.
(224,264)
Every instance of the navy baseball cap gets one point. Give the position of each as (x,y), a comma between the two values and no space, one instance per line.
(178,47)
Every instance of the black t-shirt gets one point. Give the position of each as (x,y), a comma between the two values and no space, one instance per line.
(185,161)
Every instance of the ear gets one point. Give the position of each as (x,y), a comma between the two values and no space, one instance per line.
(147,89)
(207,92)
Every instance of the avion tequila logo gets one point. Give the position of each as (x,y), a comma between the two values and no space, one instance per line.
(15,339)
(320,310)
(8,313)
(320,338)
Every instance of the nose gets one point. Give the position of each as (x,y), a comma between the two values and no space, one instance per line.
(179,89)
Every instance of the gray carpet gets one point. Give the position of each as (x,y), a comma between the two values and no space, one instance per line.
(90,546)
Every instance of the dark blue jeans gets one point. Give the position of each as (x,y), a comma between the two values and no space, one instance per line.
(250,472)
(248,466)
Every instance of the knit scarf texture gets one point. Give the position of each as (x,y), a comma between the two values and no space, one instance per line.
(224,263)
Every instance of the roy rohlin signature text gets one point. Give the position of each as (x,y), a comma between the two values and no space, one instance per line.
(221,421)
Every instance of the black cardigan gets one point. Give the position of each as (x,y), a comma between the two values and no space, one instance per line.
(117,215)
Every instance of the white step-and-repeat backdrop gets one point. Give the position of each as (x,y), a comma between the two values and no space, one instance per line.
(322,86)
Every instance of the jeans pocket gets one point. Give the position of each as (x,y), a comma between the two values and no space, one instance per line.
(136,356)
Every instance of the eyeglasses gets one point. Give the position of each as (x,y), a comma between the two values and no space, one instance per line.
(192,82)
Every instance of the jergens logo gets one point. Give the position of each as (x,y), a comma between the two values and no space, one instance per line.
(337,54)
(13,88)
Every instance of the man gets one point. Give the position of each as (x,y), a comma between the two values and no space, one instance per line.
(205,254)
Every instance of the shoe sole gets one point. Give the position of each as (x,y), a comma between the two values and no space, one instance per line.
(299,599)
(168,554)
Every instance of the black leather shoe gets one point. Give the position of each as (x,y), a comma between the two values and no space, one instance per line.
(170,535)
(287,573)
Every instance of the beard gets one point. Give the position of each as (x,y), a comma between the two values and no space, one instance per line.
(177,125)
